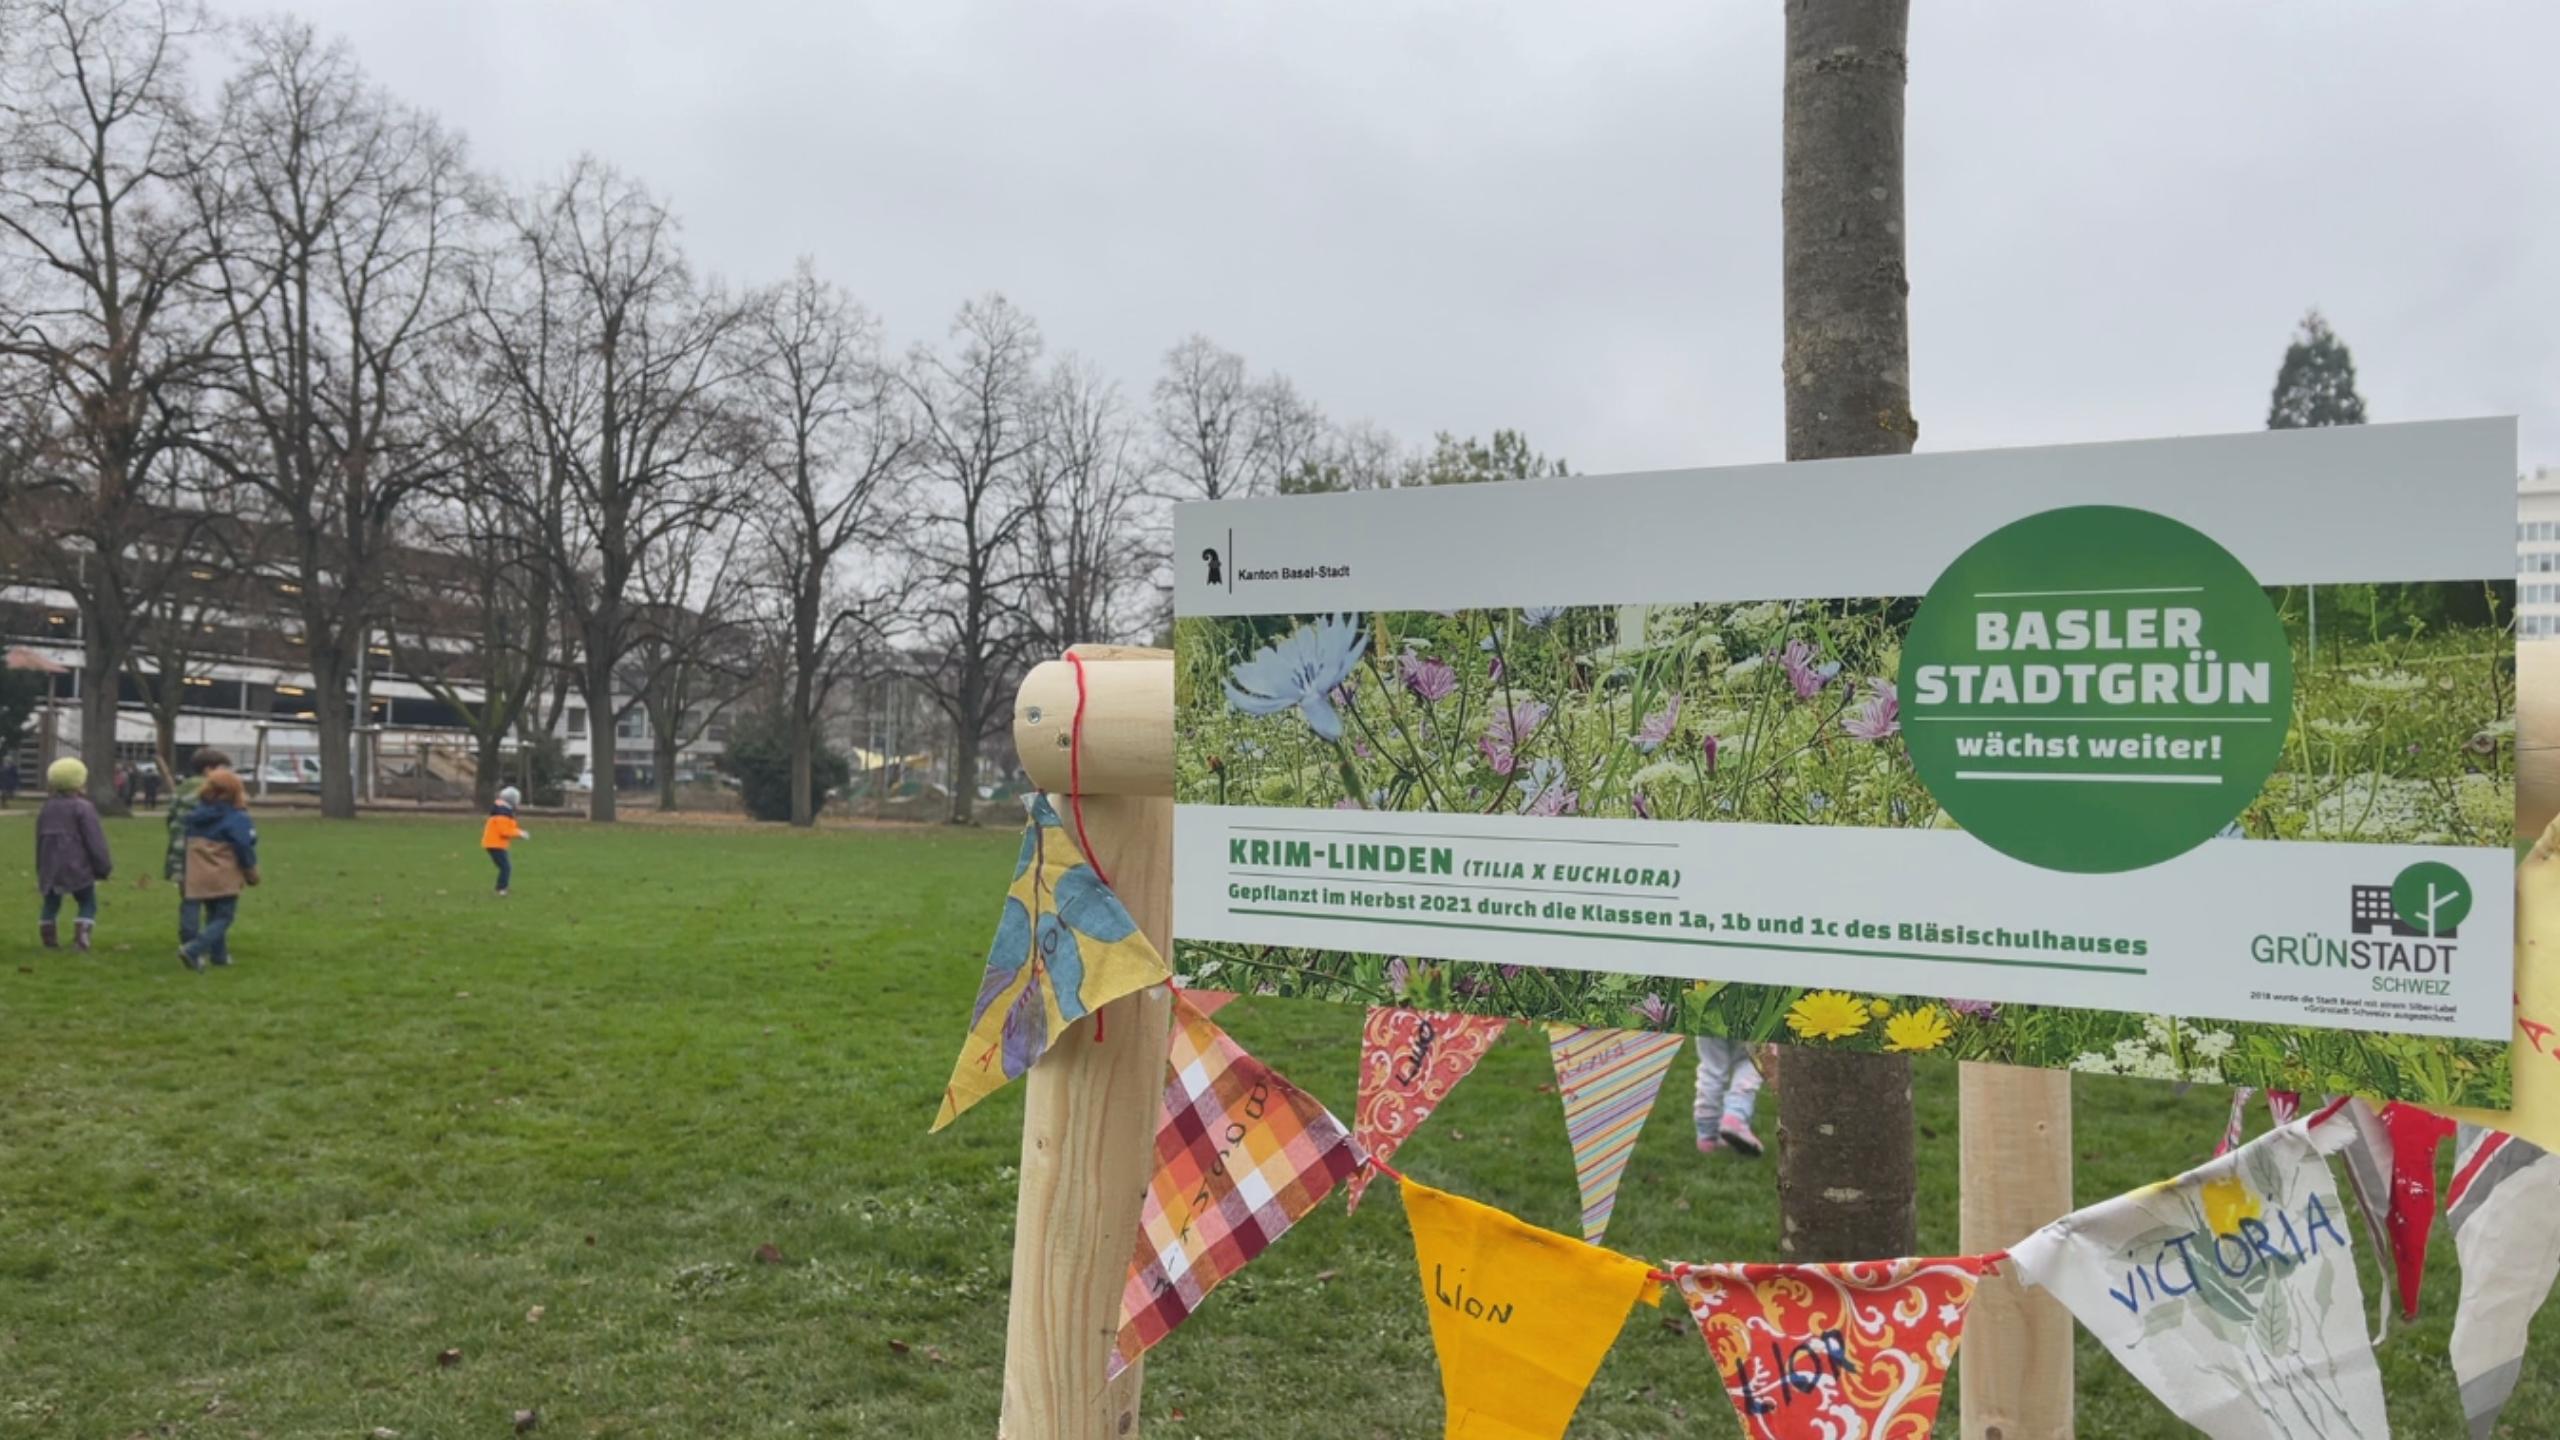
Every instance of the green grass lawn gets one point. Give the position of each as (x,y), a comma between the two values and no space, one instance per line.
(552,1134)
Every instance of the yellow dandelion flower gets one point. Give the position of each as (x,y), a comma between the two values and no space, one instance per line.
(1916,1030)
(1827,1015)
(1881,1007)
(2227,1202)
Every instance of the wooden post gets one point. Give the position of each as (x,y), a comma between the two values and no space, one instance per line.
(2017,1178)
(1089,1121)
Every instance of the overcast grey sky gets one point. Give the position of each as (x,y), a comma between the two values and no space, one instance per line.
(1564,217)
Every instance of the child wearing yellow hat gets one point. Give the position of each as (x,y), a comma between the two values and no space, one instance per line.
(71,853)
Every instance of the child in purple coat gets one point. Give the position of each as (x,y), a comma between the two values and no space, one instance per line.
(71,853)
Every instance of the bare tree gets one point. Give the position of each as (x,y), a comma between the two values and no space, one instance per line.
(976,415)
(1846,1162)
(833,444)
(98,248)
(470,616)
(337,218)
(1220,433)
(615,355)
(200,615)
(693,642)
(1087,551)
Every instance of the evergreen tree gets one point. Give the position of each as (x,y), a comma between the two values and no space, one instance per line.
(2317,384)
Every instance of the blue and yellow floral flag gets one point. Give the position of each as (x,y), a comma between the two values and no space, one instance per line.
(1065,948)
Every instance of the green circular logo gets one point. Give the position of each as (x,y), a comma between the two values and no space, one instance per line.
(2096,689)
(2430,898)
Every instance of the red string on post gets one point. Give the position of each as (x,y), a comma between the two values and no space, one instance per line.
(1075,770)
(1075,794)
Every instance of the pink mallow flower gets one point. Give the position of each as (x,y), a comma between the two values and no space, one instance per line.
(1508,731)
(1710,745)
(1797,661)
(1654,1009)
(1431,681)
(1657,726)
(1881,717)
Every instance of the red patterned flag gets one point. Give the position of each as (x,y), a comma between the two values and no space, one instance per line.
(1240,1154)
(1819,1352)
(1409,1062)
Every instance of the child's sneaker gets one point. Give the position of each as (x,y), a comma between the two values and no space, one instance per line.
(502,894)
(80,934)
(1737,1137)
(192,962)
(1708,1144)
(52,936)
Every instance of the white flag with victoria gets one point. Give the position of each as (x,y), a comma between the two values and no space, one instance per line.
(2231,1290)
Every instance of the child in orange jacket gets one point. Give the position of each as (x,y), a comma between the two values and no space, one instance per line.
(501,831)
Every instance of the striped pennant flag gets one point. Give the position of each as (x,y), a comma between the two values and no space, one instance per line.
(2504,1194)
(1608,1079)
(2238,1125)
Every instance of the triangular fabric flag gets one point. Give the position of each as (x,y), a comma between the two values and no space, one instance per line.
(2230,1291)
(1522,1317)
(2504,1197)
(2238,1125)
(2368,1158)
(1819,1352)
(1064,948)
(1209,1002)
(1608,1079)
(1240,1154)
(2535,1112)
(2417,1136)
(1409,1062)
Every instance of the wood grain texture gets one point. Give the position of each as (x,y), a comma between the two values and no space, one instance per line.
(1128,722)
(1089,1119)
(2017,1178)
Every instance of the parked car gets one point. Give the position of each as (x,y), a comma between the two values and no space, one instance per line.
(292,772)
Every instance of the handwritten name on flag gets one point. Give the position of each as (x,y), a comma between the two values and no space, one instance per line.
(1818,1352)
(1241,1154)
(1521,1317)
(1608,1080)
(1409,1062)
(2230,1291)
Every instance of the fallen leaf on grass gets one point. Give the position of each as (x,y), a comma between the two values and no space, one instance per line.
(527,1419)
(934,1354)
(447,1359)
(768,1255)
(899,1347)
(461,994)
(384,1432)
(1324,1275)
(533,1316)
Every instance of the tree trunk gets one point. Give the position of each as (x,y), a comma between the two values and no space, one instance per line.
(964,775)
(337,728)
(597,684)
(1847,1171)
(804,744)
(662,749)
(100,665)
(485,771)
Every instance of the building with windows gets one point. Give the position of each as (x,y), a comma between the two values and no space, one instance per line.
(242,686)
(2538,555)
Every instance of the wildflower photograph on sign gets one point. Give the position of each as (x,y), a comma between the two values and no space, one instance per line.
(1788,713)
(2086,787)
